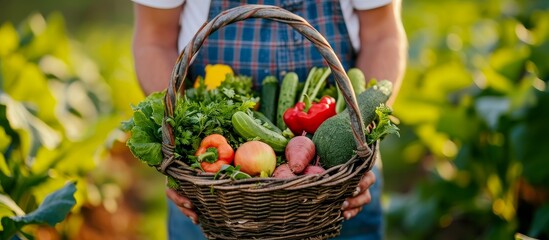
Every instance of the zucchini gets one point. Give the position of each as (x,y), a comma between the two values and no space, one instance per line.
(334,139)
(269,97)
(246,126)
(286,98)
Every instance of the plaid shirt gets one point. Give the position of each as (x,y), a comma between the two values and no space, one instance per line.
(260,47)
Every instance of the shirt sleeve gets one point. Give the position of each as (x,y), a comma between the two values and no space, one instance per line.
(368,4)
(163,4)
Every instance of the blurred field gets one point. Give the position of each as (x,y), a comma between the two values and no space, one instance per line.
(470,163)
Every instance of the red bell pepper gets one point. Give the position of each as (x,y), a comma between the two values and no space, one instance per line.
(214,152)
(299,118)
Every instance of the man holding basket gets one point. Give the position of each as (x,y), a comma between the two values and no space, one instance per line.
(366,34)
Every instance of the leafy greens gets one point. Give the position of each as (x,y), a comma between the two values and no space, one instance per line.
(199,113)
(384,125)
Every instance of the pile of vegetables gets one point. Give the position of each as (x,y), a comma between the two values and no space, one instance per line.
(286,129)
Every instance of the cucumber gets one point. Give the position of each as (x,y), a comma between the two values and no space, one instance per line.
(286,98)
(340,103)
(269,97)
(358,82)
(334,141)
(246,126)
(270,125)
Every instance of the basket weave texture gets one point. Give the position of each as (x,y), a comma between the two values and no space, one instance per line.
(304,207)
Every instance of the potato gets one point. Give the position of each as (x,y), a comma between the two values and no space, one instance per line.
(311,169)
(300,151)
(283,171)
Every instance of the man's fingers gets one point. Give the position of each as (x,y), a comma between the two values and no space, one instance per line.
(189,213)
(183,204)
(365,182)
(178,199)
(355,202)
(351,213)
(352,206)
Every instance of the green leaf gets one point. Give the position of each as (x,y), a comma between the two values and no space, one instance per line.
(53,209)
(172,183)
(228,92)
(233,172)
(242,85)
(127,126)
(158,111)
(145,147)
(37,133)
(384,125)
(143,121)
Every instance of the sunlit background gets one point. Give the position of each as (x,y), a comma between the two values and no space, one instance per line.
(471,162)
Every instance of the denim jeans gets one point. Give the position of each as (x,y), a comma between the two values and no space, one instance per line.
(367,225)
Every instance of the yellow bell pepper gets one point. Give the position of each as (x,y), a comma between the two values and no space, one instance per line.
(215,74)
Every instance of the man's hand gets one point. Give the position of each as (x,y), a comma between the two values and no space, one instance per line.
(353,205)
(183,203)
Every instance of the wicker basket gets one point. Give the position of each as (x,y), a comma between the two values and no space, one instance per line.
(305,207)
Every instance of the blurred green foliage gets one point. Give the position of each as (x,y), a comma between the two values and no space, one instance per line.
(473,110)
(81,14)
(61,102)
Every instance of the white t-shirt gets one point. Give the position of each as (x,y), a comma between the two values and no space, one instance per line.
(195,13)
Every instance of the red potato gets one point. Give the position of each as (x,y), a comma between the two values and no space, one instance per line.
(300,151)
(283,171)
(312,169)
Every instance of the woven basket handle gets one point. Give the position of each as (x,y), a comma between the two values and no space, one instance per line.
(276,14)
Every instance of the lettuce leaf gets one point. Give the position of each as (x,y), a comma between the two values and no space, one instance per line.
(145,147)
(145,141)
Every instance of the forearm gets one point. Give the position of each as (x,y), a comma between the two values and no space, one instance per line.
(153,65)
(383,44)
(384,59)
(155,46)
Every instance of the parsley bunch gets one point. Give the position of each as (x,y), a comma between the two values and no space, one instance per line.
(198,117)
(199,113)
